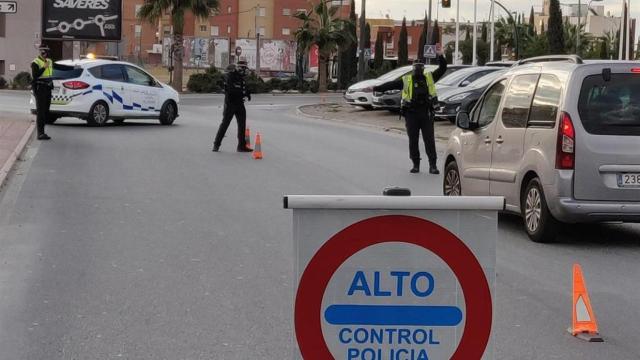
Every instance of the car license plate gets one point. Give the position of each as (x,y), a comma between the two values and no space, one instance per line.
(629,180)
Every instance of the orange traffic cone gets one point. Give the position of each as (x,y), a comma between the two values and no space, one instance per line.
(584,325)
(247,137)
(257,151)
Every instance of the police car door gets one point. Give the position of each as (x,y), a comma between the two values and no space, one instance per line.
(142,90)
(113,85)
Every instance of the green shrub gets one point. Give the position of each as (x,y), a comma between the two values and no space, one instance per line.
(256,85)
(209,82)
(303,87)
(332,86)
(22,81)
(3,83)
(313,86)
(274,83)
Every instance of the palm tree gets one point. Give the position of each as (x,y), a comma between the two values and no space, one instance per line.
(153,10)
(320,27)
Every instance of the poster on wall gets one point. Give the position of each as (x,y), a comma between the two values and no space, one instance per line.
(278,55)
(99,20)
(219,51)
(246,48)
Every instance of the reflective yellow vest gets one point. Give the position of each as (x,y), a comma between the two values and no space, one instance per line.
(407,90)
(46,64)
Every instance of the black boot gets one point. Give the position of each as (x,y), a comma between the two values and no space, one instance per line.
(216,147)
(44,136)
(416,166)
(434,170)
(244,149)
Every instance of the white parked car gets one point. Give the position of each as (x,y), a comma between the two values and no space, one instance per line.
(361,94)
(102,90)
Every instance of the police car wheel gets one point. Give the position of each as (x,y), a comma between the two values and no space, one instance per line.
(168,113)
(99,114)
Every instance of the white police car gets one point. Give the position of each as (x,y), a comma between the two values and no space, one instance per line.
(100,90)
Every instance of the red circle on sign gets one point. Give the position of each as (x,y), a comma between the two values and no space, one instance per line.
(378,230)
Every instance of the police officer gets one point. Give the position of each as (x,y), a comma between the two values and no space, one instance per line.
(42,84)
(235,92)
(418,97)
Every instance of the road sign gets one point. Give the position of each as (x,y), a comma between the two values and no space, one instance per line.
(367,54)
(394,277)
(9,7)
(430,51)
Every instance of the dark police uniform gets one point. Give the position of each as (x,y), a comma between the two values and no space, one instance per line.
(235,92)
(41,73)
(418,99)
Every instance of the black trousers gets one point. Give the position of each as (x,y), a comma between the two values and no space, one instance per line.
(43,103)
(230,110)
(420,120)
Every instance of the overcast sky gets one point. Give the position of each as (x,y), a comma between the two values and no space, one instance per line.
(413,9)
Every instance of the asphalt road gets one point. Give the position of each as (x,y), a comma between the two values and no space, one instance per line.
(138,242)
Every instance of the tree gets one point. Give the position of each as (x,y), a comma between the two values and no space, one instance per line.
(555,34)
(379,52)
(537,45)
(484,32)
(570,33)
(466,48)
(423,38)
(153,10)
(320,27)
(348,66)
(435,34)
(532,25)
(403,46)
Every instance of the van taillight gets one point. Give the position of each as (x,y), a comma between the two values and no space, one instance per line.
(566,149)
(75,85)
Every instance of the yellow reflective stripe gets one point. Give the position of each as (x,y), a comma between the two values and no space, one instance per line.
(431,84)
(47,65)
(407,90)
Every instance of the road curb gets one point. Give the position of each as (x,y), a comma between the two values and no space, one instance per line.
(15,155)
(300,112)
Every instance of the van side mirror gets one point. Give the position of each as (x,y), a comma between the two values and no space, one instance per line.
(463,121)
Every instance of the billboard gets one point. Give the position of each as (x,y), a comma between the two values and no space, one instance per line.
(200,52)
(278,55)
(82,20)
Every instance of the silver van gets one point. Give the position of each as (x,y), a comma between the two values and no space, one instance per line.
(559,138)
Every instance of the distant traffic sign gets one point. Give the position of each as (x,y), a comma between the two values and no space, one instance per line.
(367,54)
(10,7)
(430,51)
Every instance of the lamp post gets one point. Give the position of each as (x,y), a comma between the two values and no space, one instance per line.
(515,27)
(493,29)
(455,55)
(474,61)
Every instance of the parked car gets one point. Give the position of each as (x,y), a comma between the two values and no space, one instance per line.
(559,138)
(391,100)
(361,94)
(462,78)
(507,63)
(448,106)
(98,90)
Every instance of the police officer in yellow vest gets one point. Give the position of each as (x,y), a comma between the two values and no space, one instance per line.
(41,72)
(418,97)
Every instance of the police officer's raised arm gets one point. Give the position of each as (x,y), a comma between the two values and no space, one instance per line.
(391,85)
(442,68)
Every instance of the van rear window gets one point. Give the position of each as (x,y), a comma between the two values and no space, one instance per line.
(610,107)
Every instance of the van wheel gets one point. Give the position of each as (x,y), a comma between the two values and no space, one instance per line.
(540,225)
(169,113)
(452,186)
(99,114)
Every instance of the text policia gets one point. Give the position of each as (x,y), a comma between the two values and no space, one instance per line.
(82,4)
(390,331)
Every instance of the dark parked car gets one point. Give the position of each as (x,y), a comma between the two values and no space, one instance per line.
(463,98)
(390,100)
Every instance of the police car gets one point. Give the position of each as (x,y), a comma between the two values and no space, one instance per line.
(98,90)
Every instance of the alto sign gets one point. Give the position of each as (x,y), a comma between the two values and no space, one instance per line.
(8,7)
(394,278)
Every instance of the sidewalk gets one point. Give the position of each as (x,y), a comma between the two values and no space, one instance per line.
(381,119)
(15,132)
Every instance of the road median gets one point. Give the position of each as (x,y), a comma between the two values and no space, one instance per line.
(15,132)
(380,119)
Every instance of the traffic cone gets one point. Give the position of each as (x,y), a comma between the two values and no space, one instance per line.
(584,325)
(257,150)
(247,137)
